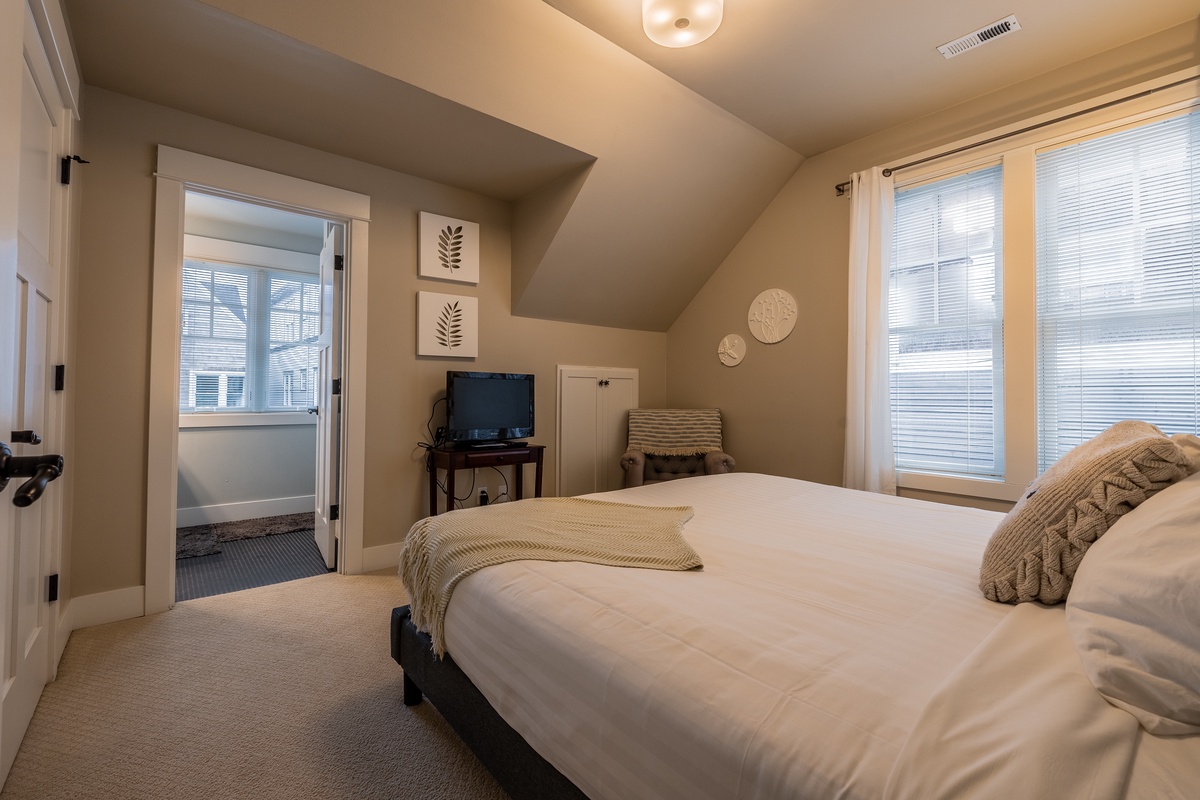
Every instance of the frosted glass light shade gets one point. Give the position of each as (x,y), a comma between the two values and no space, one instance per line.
(679,23)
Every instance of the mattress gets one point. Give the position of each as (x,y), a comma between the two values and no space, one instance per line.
(822,651)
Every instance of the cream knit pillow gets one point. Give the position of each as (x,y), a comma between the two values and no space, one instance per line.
(1036,549)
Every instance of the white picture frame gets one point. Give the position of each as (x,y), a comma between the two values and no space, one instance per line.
(447,248)
(447,325)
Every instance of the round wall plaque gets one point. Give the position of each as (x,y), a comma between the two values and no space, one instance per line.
(772,316)
(731,350)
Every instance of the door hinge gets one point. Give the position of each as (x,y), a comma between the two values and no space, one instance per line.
(337,386)
(52,588)
(64,174)
(339,262)
(60,377)
(333,512)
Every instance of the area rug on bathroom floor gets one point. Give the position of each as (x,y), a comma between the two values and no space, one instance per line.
(205,540)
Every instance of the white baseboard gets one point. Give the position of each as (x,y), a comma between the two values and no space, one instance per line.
(62,633)
(253,509)
(384,556)
(102,608)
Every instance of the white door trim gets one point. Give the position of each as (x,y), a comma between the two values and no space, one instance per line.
(178,171)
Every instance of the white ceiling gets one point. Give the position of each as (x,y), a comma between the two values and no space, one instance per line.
(815,74)
(250,215)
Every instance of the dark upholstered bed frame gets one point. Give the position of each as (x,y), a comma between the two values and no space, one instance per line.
(515,765)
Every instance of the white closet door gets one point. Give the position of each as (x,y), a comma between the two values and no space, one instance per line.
(618,394)
(593,406)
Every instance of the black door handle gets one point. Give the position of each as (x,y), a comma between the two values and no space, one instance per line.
(26,437)
(39,469)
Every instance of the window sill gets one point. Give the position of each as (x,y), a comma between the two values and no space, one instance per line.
(984,488)
(235,420)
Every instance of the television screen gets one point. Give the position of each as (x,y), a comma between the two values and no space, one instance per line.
(488,406)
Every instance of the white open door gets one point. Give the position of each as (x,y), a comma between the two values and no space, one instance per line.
(29,411)
(328,396)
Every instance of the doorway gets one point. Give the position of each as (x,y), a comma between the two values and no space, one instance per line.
(249,406)
(340,432)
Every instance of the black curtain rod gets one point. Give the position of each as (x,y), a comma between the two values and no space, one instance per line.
(842,187)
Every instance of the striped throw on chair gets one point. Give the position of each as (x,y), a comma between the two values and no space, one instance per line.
(674,431)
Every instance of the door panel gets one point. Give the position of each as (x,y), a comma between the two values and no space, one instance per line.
(577,446)
(620,395)
(325,529)
(31,541)
(28,293)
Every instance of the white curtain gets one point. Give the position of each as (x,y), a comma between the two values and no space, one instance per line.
(869,461)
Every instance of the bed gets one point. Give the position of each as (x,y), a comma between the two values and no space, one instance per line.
(834,644)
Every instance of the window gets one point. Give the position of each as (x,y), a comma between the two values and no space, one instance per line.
(1003,361)
(945,332)
(247,332)
(1118,283)
(215,389)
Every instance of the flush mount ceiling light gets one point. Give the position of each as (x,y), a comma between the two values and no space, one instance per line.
(679,23)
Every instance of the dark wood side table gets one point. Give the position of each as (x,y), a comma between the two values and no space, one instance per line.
(453,459)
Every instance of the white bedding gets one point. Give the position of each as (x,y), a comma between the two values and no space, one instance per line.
(799,662)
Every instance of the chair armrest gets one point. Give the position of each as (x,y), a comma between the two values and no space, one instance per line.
(634,464)
(718,463)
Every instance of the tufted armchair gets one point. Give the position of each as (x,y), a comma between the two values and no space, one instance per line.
(668,443)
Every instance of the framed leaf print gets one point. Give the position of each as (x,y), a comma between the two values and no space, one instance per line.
(447,325)
(447,248)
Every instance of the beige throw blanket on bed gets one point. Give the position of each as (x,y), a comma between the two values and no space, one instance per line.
(440,551)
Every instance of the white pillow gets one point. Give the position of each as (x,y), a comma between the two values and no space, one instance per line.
(1134,611)
(1189,443)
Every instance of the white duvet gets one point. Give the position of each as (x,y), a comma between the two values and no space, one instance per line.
(835,644)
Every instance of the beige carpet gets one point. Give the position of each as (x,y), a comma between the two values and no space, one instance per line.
(286,691)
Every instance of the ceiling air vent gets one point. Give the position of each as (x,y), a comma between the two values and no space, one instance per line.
(981,36)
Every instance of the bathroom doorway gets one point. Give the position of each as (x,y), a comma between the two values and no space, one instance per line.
(250,405)
(340,472)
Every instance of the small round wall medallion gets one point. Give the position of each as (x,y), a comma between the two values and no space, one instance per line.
(731,350)
(772,316)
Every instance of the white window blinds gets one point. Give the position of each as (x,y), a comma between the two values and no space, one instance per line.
(1118,259)
(945,326)
(248,339)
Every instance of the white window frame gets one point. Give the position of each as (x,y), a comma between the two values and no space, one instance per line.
(219,252)
(997,333)
(1018,156)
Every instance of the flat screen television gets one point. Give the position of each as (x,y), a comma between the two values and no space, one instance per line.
(488,407)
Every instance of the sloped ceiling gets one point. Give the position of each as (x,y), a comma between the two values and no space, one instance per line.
(196,58)
(629,189)
(633,169)
(817,74)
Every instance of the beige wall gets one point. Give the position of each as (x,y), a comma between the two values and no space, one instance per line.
(110,368)
(784,406)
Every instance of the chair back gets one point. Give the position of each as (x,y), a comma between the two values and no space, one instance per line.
(675,431)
